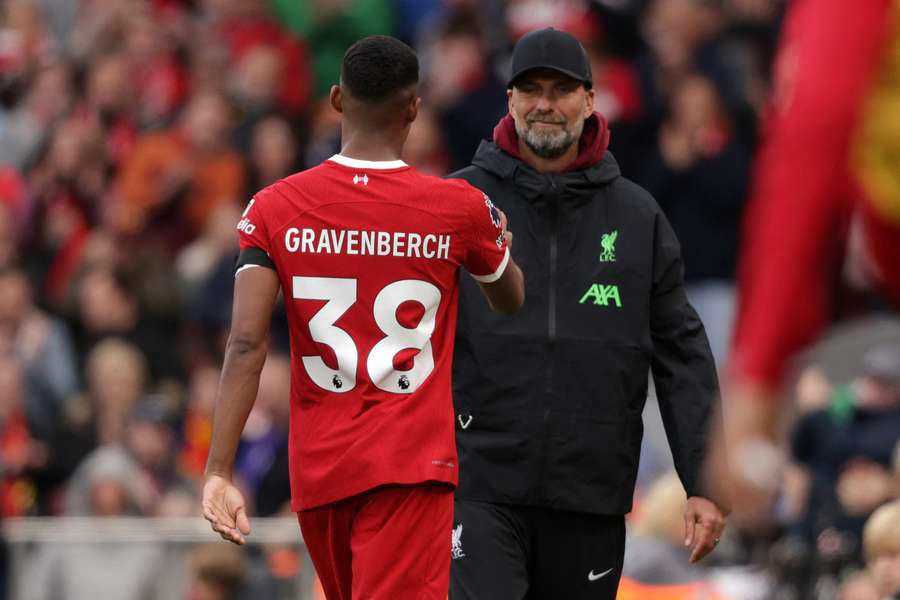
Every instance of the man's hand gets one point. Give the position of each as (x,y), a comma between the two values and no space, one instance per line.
(746,460)
(223,506)
(703,525)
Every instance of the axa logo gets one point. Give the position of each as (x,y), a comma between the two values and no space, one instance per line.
(363,180)
(602,295)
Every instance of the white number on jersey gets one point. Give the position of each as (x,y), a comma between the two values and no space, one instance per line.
(340,295)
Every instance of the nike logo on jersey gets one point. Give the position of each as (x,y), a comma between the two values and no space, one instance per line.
(593,577)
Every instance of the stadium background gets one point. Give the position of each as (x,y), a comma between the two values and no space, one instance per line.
(132,134)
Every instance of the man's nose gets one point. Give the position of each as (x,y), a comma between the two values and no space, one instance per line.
(544,102)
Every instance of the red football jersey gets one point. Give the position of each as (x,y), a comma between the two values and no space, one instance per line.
(368,255)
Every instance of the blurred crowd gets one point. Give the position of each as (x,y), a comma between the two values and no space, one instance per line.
(134,132)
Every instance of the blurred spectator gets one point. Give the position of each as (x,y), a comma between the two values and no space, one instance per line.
(200,260)
(88,570)
(116,377)
(682,37)
(261,459)
(424,148)
(23,127)
(325,134)
(217,572)
(847,449)
(858,586)
(109,104)
(274,153)
(156,73)
(107,305)
(414,15)
(144,460)
(697,171)
(66,187)
(41,343)
(814,391)
(208,60)
(881,541)
(330,27)
(26,44)
(198,418)
(263,53)
(175,178)
(655,552)
(461,87)
(8,238)
(20,452)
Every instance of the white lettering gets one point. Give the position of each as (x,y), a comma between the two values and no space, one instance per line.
(365,243)
(413,241)
(246,226)
(444,246)
(368,243)
(429,239)
(307,242)
(399,242)
(291,241)
(324,244)
(337,241)
(352,241)
(384,243)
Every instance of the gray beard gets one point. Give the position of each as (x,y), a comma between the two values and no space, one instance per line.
(549,144)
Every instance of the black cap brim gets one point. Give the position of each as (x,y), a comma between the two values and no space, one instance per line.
(575,76)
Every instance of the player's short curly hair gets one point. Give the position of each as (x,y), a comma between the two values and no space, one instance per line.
(377,67)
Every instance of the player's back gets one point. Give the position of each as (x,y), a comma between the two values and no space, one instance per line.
(368,257)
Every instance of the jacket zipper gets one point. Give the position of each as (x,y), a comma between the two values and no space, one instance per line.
(554,252)
(551,309)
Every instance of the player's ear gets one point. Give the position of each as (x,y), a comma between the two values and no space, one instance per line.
(509,99)
(337,99)
(413,109)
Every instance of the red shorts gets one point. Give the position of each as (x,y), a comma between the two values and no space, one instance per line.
(389,543)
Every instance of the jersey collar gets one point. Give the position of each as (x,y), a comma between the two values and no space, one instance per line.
(355,163)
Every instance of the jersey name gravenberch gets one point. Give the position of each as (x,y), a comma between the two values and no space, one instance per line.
(368,255)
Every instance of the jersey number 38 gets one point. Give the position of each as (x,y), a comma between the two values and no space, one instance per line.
(340,295)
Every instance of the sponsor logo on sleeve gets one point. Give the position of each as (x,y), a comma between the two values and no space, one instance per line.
(492,211)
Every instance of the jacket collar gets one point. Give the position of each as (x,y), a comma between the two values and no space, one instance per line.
(577,186)
(591,145)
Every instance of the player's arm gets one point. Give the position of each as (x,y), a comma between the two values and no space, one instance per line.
(507,294)
(255,291)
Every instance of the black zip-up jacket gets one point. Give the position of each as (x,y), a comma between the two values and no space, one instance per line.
(549,401)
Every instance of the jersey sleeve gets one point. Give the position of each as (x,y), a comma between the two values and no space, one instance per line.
(487,254)
(253,236)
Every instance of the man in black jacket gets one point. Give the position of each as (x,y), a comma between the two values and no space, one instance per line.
(549,401)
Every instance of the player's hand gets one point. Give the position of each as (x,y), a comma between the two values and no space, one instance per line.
(746,461)
(224,507)
(703,525)
(507,234)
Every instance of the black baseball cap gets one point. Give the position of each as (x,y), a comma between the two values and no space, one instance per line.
(550,49)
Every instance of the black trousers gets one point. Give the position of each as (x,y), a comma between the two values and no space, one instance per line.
(505,552)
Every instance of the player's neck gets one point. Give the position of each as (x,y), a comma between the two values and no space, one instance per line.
(372,146)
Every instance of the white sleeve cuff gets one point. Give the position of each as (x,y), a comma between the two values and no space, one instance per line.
(496,274)
(244,268)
